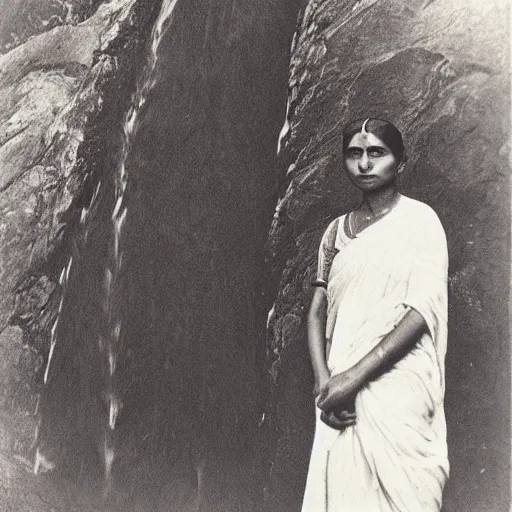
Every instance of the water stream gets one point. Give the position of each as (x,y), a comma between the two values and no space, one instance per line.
(110,343)
(152,396)
(110,335)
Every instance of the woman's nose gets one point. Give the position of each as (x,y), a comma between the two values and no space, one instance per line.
(364,163)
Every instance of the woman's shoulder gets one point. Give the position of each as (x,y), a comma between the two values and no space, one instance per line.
(333,233)
(421,217)
(418,208)
(335,223)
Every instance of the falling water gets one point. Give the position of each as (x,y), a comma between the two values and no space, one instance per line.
(64,278)
(285,129)
(109,344)
(41,462)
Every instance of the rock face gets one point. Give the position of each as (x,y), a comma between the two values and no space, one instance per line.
(61,65)
(200,196)
(173,416)
(23,19)
(439,72)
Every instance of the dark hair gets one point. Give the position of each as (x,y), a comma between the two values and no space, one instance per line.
(384,130)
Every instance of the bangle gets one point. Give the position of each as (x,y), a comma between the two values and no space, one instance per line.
(380,352)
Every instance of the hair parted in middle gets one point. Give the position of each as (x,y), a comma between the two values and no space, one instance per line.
(384,130)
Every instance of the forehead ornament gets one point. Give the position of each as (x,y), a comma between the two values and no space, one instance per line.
(364,133)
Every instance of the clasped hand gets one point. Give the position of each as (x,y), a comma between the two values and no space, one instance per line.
(337,400)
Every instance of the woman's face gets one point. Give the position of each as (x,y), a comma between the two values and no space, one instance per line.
(370,163)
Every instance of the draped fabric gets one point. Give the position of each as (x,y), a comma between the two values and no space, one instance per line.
(394,459)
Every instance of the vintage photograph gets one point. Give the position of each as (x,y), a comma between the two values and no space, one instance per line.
(255,255)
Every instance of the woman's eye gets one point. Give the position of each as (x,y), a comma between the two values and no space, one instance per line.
(354,153)
(376,152)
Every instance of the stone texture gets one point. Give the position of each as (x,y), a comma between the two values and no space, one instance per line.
(55,85)
(23,19)
(17,400)
(438,70)
(190,295)
(48,95)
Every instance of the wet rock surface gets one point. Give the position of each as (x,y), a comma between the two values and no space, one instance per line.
(22,491)
(438,71)
(184,407)
(55,83)
(200,197)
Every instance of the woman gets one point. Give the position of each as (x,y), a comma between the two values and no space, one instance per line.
(377,331)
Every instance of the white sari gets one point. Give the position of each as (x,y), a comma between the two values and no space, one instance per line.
(394,459)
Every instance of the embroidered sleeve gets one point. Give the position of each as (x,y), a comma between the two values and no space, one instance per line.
(326,254)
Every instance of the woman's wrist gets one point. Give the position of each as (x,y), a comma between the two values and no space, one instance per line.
(362,372)
(321,374)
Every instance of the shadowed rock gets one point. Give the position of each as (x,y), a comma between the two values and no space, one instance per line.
(190,297)
(23,19)
(52,92)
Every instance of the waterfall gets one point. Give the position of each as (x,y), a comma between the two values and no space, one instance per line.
(109,341)
(41,462)
(110,344)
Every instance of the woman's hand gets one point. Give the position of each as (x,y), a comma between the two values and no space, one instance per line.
(340,391)
(340,420)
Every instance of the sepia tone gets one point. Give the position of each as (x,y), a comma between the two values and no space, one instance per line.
(166,171)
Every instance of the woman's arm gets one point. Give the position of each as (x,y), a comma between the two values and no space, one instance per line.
(343,387)
(316,337)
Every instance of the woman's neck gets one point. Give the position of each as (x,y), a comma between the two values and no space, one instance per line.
(373,203)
